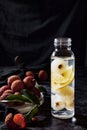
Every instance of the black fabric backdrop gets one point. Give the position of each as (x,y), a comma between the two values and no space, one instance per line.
(28,28)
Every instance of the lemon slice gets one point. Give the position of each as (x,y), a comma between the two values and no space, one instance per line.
(55,81)
(56,78)
(64,79)
(68,81)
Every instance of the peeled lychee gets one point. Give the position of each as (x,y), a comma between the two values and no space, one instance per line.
(57,102)
(58,66)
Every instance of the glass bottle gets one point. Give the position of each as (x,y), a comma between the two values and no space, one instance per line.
(62,79)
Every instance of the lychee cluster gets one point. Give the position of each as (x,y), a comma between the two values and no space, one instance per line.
(15,84)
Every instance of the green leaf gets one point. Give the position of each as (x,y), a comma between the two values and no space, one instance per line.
(40,87)
(31,96)
(32,113)
(18,98)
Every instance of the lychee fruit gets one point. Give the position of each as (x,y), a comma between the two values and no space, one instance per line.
(12,78)
(29,82)
(20,120)
(29,73)
(17,85)
(42,75)
(10,123)
(3,88)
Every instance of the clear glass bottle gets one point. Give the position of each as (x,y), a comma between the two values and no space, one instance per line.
(62,79)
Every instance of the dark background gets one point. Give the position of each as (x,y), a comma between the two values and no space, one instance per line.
(28,28)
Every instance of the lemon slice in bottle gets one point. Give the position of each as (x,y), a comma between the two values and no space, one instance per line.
(63,79)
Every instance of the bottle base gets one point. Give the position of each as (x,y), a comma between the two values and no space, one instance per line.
(63,114)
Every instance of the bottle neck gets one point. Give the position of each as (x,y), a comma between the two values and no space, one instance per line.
(62,43)
(62,47)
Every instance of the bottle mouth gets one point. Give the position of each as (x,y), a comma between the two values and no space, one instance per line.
(62,41)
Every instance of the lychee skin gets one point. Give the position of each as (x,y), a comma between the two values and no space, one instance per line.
(12,78)
(8,91)
(5,94)
(29,73)
(20,120)
(15,122)
(17,85)
(34,119)
(9,122)
(29,82)
(35,91)
(42,75)
(3,88)
(17,93)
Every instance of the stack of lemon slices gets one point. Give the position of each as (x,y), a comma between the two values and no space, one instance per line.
(62,75)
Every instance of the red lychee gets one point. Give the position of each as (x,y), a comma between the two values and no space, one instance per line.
(3,88)
(20,120)
(10,123)
(29,82)
(12,78)
(42,75)
(35,91)
(29,73)
(17,85)
(5,94)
